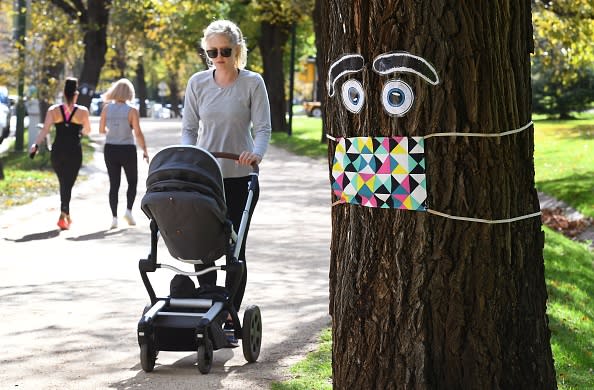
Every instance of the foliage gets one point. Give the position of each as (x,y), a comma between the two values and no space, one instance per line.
(560,99)
(164,35)
(53,43)
(7,70)
(563,32)
(285,12)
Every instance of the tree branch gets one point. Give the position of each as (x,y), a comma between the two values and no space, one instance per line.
(74,9)
(66,7)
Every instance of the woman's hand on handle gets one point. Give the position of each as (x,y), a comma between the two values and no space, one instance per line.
(249,158)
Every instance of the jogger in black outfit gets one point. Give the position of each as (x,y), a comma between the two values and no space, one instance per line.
(71,122)
(66,161)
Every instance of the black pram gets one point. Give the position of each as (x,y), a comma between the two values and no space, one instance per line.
(185,202)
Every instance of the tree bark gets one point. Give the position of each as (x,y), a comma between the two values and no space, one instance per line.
(318,24)
(141,88)
(95,40)
(93,21)
(271,42)
(420,301)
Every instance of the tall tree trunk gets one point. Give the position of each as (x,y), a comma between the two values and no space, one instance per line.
(141,88)
(47,90)
(173,84)
(95,39)
(419,301)
(271,43)
(120,61)
(318,24)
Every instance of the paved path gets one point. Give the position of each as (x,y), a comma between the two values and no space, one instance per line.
(70,300)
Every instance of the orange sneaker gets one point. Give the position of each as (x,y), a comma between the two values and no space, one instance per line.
(64,221)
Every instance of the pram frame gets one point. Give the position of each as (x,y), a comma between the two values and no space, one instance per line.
(204,315)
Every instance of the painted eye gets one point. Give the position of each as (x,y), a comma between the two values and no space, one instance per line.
(353,96)
(397,97)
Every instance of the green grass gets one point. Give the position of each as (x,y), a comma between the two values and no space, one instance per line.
(569,270)
(315,371)
(305,139)
(564,161)
(26,179)
(564,164)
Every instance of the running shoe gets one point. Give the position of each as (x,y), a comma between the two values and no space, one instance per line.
(64,221)
(129,218)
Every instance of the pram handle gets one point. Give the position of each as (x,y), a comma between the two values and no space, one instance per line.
(233,156)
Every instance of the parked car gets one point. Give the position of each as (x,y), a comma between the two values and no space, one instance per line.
(4,113)
(313,109)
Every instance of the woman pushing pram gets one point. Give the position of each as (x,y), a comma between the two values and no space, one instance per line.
(223,106)
(200,198)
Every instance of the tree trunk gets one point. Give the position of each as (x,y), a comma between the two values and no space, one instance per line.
(271,43)
(141,88)
(319,25)
(173,84)
(419,301)
(95,39)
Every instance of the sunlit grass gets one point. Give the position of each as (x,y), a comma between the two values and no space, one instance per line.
(564,161)
(315,371)
(569,270)
(305,139)
(26,179)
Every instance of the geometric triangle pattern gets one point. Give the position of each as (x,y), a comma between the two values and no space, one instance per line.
(385,172)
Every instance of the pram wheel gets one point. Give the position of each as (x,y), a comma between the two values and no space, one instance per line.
(147,357)
(205,353)
(251,333)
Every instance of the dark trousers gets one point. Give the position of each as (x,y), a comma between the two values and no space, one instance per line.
(118,157)
(66,163)
(236,193)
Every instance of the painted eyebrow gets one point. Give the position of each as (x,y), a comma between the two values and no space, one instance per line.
(348,63)
(405,62)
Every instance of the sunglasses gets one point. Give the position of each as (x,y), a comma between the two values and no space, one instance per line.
(225,52)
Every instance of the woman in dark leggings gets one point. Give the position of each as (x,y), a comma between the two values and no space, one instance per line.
(71,122)
(236,193)
(120,121)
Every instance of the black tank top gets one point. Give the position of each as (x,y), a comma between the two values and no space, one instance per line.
(68,134)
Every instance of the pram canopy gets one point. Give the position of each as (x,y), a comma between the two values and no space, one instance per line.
(185,197)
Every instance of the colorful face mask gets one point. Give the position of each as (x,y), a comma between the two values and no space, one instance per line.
(385,172)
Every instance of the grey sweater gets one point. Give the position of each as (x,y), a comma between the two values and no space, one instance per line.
(223,119)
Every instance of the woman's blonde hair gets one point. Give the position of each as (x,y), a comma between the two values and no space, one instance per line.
(233,34)
(120,90)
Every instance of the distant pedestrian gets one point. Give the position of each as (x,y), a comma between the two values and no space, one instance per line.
(71,122)
(121,122)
